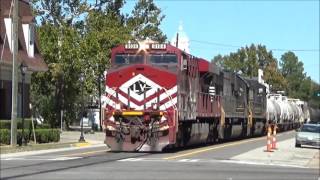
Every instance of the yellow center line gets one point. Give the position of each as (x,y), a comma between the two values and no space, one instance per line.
(86,153)
(211,148)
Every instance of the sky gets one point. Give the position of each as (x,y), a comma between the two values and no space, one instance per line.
(229,25)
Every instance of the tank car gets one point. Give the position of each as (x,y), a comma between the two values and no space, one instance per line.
(273,110)
(298,114)
(280,102)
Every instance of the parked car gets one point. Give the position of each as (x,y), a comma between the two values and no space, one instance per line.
(308,134)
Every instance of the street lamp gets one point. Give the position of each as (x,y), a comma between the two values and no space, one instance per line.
(81,139)
(100,114)
(23,69)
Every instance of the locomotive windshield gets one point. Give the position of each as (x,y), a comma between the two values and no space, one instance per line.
(122,59)
(167,61)
(163,58)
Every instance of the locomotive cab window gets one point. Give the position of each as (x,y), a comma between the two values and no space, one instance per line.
(123,59)
(167,61)
(163,59)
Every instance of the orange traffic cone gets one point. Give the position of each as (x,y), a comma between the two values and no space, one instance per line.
(269,145)
(274,139)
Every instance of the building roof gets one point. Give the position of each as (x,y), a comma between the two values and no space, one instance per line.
(35,63)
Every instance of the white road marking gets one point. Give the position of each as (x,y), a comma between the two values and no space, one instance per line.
(261,164)
(208,161)
(189,160)
(131,159)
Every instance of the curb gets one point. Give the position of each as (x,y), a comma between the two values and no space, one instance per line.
(83,144)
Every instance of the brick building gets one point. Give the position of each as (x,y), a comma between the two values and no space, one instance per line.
(28,53)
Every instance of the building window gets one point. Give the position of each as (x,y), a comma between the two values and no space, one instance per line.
(31,34)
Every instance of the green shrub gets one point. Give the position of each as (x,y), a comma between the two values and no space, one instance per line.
(42,126)
(26,136)
(47,135)
(42,135)
(6,124)
(4,136)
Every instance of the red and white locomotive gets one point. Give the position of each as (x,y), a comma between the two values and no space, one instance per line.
(159,96)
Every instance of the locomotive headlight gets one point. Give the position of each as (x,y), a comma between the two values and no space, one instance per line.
(143,46)
(111,118)
(164,128)
(146,46)
(162,119)
(154,106)
(110,128)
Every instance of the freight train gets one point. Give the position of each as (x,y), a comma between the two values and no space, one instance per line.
(158,96)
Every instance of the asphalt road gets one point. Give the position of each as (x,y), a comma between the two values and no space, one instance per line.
(209,162)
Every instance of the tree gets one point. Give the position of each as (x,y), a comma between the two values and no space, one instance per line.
(251,61)
(59,12)
(145,21)
(58,88)
(104,30)
(218,60)
(273,76)
(60,28)
(247,60)
(314,99)
(292,69)
(76,37)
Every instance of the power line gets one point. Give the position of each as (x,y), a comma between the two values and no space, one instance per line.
(214,43)
(236,46)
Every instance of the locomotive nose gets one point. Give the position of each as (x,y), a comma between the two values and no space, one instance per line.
(135,130)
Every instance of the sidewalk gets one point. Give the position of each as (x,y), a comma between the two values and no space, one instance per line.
(286,155)
(73,136)
(68,140)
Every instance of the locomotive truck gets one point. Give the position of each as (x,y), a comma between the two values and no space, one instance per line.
(158,96)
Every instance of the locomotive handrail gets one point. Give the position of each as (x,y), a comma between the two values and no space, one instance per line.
(207,102)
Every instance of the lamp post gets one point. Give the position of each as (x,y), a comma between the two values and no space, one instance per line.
(23,69)
(81,139)
(99,88)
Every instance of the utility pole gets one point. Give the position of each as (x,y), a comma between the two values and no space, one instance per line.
(177,40)
(15,18)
